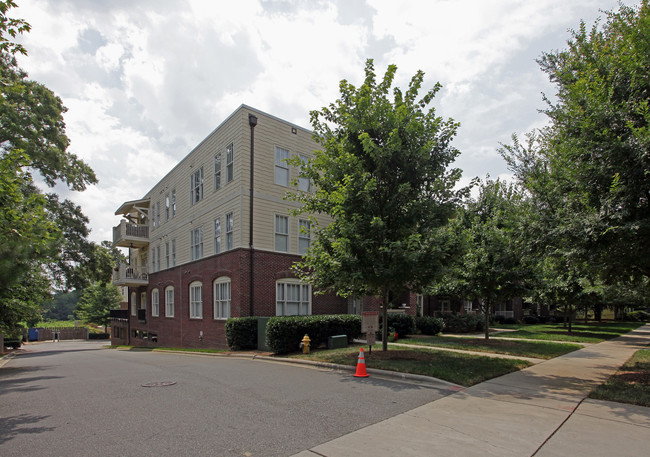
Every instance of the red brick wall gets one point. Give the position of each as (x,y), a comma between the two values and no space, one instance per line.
(181,331)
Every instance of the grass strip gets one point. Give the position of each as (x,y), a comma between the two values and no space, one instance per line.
(463,369)
(540,350)
(630,384)
(580,333)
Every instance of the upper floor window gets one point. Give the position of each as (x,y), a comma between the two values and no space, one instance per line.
(304,236)
(173,202)
(281,233)
(167,254)
(155,310)
(167,203)
(303,183)
(143,300)
(153,260)
(158,214)
(217,235)
(292,298)
(173,253)
(230,227)
(169,301)
(157,258)
(134,304)
(196,300)
(222,298)
(230,171)
(196,243)
(281,166)
(196,186)
(217,171)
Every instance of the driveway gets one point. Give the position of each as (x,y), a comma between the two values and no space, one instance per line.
(79,399)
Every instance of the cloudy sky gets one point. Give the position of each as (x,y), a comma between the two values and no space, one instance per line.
(146,80)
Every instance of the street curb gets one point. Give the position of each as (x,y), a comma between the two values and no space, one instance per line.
(6,358)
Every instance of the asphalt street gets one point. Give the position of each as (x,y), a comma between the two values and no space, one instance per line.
(79,399)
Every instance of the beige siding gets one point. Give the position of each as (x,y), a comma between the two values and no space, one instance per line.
(232,196)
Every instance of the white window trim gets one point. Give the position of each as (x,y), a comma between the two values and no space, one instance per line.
(169,304)
(196,243)
(143,300)
(230,163)
(281,235)
(304,236)
(304,184)
(281,304)
(219,300)
(134,304)
(230,228)
(281,166)
(217,171)
(196,306)
(196,186)
(155,303)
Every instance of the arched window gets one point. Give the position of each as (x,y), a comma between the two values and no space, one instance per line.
(134,304)
(196,300)
(155,303)
(222,298)
(292,298)
(169,301)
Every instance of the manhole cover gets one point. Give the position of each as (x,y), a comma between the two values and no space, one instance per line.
(159,384)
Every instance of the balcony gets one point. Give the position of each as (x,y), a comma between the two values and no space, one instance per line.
(128,234)
(129,276)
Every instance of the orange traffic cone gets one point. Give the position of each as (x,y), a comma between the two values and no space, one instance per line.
(361,366)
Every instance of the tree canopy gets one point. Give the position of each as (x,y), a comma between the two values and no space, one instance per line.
(383,177)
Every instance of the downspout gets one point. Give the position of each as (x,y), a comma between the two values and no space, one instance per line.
(252,121)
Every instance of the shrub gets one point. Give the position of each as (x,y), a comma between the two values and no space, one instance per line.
(241,333)
(464,323)
(403,324)
(429,325)
(284,334)
(498,319)
(531,320)
(510,320)
(638,316)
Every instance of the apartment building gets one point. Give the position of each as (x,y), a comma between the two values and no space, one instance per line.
(215,239)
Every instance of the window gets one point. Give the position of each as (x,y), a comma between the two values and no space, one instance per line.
(292,298)
(217,171)
(143,300)
(445,306)
(222,298)
(157,258)
(196,186)
(173,253)
(196,243)
(229,163)
(304,236)
(230,225)
(155,310)
(303,183)
(281,167)
(217,235)
(134,304)
(169,301)
(166,207)
(173,203)
(167,254)
(467,305)
(153,260)
(196,303)
(281,233)
(157,214)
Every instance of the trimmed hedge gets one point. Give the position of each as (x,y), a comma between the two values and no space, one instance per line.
(464,323)
(98,336)
(429,325)
(402,323)
(638,316)
(241,333)
(284,334)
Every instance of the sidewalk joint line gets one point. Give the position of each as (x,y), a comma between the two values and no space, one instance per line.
(558,428)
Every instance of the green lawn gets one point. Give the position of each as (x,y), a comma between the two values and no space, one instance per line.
(537,349)
(591,333)
(631,384)
(463,369)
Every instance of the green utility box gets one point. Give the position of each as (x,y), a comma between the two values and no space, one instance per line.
(337,341)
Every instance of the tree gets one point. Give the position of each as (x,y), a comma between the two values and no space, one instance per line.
(600,138)
(494,265)
(42,240)
(96,302)
(382,176)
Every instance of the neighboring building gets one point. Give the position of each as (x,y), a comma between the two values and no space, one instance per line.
(203,248)
(433,305)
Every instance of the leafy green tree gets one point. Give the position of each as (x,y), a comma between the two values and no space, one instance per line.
(494,266)
(382,176)
(62,306)
(96,302)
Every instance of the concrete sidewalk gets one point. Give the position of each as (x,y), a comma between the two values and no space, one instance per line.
(540,411)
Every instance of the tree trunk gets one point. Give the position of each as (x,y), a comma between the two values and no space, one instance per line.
(586,314)
(384,329)
(486,309)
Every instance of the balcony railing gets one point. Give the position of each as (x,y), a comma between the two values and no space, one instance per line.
(128,234)
(130,276)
